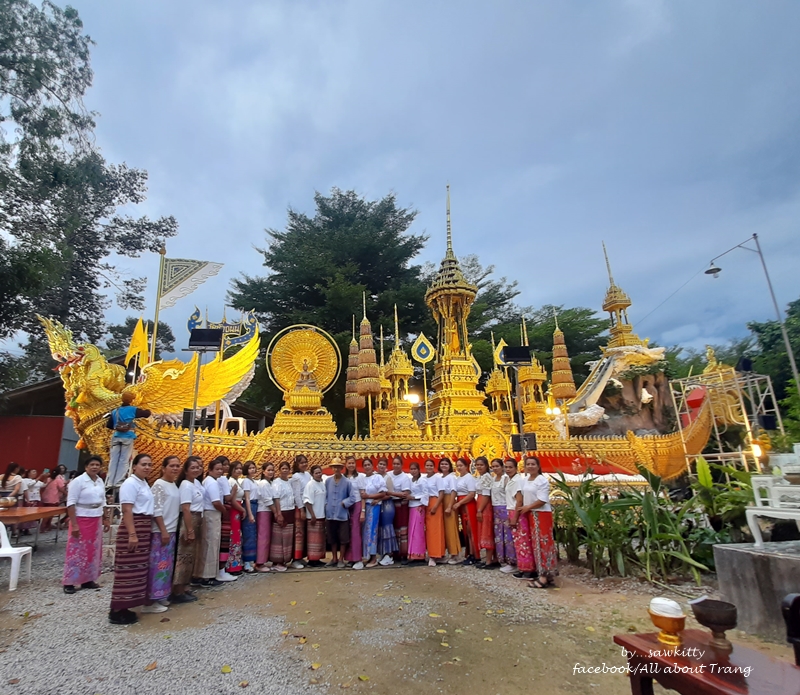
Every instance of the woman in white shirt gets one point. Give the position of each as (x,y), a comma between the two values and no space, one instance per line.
(417,503)
(483,513)
(400,490)
(232,555)
(372,494)
(282,547)
(314,502)
(132,555)
(250,503)
(520,524)
(536,505)
(85,502)
(466,505)
(264,516)
(191,529)
(503,538)
(387,539)
(434,516)
(206,564)
(300,478)
(166,514)
(451,539)
(353,556)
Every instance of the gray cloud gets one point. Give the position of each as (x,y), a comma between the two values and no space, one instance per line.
(668,129)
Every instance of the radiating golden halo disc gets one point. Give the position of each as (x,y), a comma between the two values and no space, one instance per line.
(299,345)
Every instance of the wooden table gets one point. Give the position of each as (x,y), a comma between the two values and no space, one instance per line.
(696,668)
(20,515)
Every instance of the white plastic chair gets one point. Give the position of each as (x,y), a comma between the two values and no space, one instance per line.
(16,555)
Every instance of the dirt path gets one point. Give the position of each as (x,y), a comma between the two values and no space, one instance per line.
(446,630)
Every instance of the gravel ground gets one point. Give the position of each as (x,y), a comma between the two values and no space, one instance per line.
(67,646)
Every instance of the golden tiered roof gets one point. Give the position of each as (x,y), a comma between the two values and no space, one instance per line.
(616,303)
(562,383)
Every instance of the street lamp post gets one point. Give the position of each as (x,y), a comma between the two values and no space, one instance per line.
(714,271)
(201,340)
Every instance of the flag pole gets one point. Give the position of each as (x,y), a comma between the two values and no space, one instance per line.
(163,252)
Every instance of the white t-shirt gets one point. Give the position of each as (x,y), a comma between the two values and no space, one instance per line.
(433,484)
(466,484)
(419,492)
(401,482)
(314,494)
(264,496)
(34,491)
(212,492)
(448,482)
(87,495)
(537,489)
(282,491)
(137,492)
(250,486)
(357,484)
(192,494)
(499,491)
(166,504)
(237,491)
(299,482)
(513,486)
(485,485)
(373,485)
(224,487)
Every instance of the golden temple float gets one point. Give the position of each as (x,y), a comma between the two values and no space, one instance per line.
(304,362)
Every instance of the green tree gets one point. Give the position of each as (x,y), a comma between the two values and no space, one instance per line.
(60,201)
(687,361)
(121,334)
(771,357)
(320,265)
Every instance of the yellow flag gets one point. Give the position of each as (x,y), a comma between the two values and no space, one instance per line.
(138,344)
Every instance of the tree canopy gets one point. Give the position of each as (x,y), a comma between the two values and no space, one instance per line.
(121,334)
(61,203)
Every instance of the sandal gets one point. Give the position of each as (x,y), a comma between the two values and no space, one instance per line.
(537,584)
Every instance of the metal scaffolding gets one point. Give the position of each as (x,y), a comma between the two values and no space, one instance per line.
(739,401)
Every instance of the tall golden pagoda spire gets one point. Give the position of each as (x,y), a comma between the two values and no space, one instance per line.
(450,297)
(562,383)
(352,399)
(616,303)
(368,371)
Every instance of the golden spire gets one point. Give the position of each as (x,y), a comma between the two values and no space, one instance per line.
(525,332)
(396,330)
(382,361)
(449,253)
(562,382)
(364,301)
(555,318)
(608,265)
(494,350)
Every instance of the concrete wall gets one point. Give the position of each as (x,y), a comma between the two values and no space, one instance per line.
(756,581)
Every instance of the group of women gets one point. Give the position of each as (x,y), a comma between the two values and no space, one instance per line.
(182,533)
(29,488)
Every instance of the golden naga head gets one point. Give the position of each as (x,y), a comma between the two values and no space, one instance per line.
(62,346)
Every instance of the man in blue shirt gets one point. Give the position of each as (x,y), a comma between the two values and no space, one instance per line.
(338,498)
(121,420)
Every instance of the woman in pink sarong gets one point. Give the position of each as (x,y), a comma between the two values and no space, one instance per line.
(85,503)
(357,482)
(417,506)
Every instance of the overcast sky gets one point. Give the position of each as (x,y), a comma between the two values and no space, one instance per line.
(669,130)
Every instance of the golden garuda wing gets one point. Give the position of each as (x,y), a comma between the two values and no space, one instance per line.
(168,386)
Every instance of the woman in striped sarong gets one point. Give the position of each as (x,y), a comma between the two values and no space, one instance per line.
(503,538)
(484,515)
(374,489)
(249,528)
(357,513)
(400,490)
(282,546)
(132,556)
(417,503)
(264,517)
(314,501)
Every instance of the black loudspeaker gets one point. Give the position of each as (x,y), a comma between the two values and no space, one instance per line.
(745,364)
(199,421)
(768,422)
(520,443)
(517,355)
(201,338)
